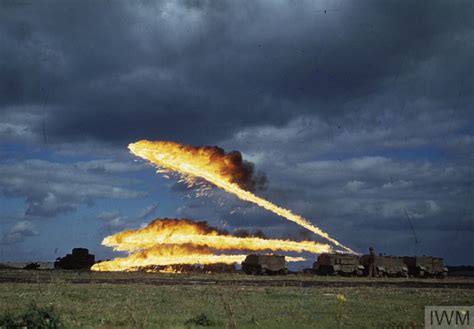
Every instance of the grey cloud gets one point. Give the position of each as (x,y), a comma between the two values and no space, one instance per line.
(148,211)
(18,233)
(109,166)
(18,124)
(114,221)
(198,72)
(374,131)
(51,188)
(354,185)
(399,184)
(108,215)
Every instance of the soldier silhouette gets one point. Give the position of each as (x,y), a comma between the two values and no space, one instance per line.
(372,269)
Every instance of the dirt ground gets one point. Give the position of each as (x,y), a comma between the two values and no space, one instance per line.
(238,279)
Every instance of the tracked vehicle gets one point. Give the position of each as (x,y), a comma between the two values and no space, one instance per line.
(264,264)
(79,259)
(338,264)
(426,266)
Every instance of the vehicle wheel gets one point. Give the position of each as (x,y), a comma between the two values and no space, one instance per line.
(421,274)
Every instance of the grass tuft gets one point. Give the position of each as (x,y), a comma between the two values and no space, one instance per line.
(200,320)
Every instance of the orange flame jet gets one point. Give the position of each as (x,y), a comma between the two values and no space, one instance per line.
(183,231)
(169,255)
(218,169)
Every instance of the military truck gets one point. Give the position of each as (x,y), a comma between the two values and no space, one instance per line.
(79,259)
(425,266)
(264,264)
(338,264)
(385,266)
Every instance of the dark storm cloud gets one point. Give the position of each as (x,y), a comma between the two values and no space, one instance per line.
(198,71)
(358,111)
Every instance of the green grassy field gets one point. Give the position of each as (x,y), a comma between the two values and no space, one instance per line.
(138,305)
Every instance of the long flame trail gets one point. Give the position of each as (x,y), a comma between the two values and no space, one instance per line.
(218,169)
(181,241)
(182,232)
(171,255)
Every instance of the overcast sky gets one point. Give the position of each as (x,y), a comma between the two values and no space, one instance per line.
(360,114)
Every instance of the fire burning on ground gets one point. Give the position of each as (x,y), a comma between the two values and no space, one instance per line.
(167,255)
(225,170)
(171,255)
(175,241)
(167,242)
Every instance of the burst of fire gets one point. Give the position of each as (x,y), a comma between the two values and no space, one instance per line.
(167,269)
(170,255)
(218,168)
(183,231)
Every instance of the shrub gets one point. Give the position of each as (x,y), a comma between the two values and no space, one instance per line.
(200,320)
(32,318)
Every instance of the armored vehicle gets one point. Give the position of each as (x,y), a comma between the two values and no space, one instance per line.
(384,266)
(425,266)
(32,266)
(338,264)
(264,264)
(80,259)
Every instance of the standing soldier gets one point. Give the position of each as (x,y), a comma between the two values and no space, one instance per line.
(372,270)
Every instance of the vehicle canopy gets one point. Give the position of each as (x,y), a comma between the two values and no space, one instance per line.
(387,264)
(337,259)
(271,262)
(426,263)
